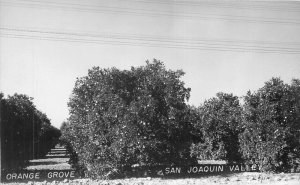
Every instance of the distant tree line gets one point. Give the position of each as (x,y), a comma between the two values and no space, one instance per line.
(26,133)
(140,116)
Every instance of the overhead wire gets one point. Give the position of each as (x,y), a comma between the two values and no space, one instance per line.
(188,3)
(145,12)
(248,5)
(143,41)
(146,44)
(190,40)
(147,40)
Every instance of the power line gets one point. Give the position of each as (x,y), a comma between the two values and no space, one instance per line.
(157,38)
(248,5)
(146,12)
(145,44)
(136,41)
(256,5)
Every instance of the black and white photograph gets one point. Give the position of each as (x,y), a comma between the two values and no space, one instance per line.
(149,92)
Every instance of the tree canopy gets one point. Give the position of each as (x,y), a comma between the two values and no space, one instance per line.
(127,117)
(218,123)
(26,132)
(140,116)
(271,125)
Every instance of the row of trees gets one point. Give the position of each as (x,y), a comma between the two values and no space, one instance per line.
(26,133)
(140,116)
(265,129)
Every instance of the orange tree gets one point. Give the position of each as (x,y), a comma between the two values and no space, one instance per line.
(26,133)
(218,124)
(271,126)
(123,117)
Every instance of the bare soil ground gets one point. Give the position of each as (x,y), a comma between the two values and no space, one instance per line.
(49,164)
(246,178)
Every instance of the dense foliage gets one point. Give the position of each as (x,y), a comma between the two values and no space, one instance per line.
(271,125)
(218,123)
(26,133)
(68,135)
(120,118)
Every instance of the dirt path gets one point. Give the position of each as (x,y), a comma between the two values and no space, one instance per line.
(56,159)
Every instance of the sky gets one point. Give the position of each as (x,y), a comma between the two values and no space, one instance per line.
(222,46)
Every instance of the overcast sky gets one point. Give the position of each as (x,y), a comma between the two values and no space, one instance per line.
(231,46)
